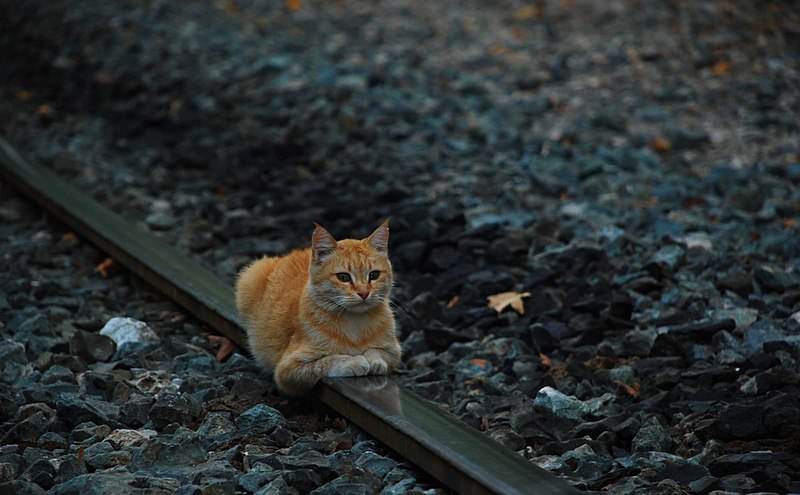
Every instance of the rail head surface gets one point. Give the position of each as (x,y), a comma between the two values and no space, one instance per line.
(451,451)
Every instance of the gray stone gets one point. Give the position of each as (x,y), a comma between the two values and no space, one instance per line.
(651,436)
(257,477)
(100,483)
(278,486)
(102,455)
(164,452)
(376,464)
(126,438)
(73,410)
(70,467)
(51,441)
(134,412)
(350,484)
(29,429)
(57,373)
(22,487)
(89,433)
(399,488)
(759,333)
(123,330)
(6,472)
(216,423)
(559,404)
(41,472)
(260,419)
(179,408)
(91,347)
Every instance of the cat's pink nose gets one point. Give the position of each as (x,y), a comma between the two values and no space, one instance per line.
(363,295)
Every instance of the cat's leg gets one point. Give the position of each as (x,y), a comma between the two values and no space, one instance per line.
(296,373)
(382,360)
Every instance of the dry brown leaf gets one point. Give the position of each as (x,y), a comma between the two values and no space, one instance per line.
(69,236)
(661,145)
(452,302)
(480,363)
(721,68)
(294,5)
(105,267)
(484,423)
(501,301)
(223,345)
(633,390)
(527,13)
(545,360)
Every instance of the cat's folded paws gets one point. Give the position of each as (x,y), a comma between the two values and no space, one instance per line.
(377,366)
(350,366)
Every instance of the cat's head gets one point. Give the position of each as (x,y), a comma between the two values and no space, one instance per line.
(351,275)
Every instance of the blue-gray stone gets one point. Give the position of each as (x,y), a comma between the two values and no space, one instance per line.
(278,486)
(376,464)
(350,484)
(759,333)
(559,404)
(651,436)
(174,408)
(399,488)
(260,419)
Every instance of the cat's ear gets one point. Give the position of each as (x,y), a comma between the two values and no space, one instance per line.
(379,240)
(322,244)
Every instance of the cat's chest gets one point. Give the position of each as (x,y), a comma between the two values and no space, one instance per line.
(345,336)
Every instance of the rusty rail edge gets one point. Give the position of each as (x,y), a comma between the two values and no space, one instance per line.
(451,451)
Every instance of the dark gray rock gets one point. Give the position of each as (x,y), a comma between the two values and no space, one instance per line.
(774,279)
(41,472)
(651,437)
(91,347)
(703,485)
(57,373)
(51,441)
(74,410)
(88,433)
(737,421)
(6,472)
(135,411)
(278,486)
(22,487)
(559,404)
(169,408)
(100,483)
(376,464)
(257,477)
(166,452)
(70,467)
(29,429)
(682,473)
(216,423)
(260,418)
(350,484)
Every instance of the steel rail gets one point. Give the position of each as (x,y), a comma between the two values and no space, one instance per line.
(451,451)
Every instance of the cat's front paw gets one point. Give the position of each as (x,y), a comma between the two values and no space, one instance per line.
(377,366)
(349,366)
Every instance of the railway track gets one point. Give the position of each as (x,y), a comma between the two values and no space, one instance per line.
(452,452)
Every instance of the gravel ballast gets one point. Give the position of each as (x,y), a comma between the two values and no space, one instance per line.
(632,166)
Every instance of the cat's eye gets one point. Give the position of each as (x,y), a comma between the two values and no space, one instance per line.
(344,277)
(373,275)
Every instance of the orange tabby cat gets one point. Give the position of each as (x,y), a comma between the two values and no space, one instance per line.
(321,311)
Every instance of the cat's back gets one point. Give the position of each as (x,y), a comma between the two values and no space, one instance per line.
(272,282)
